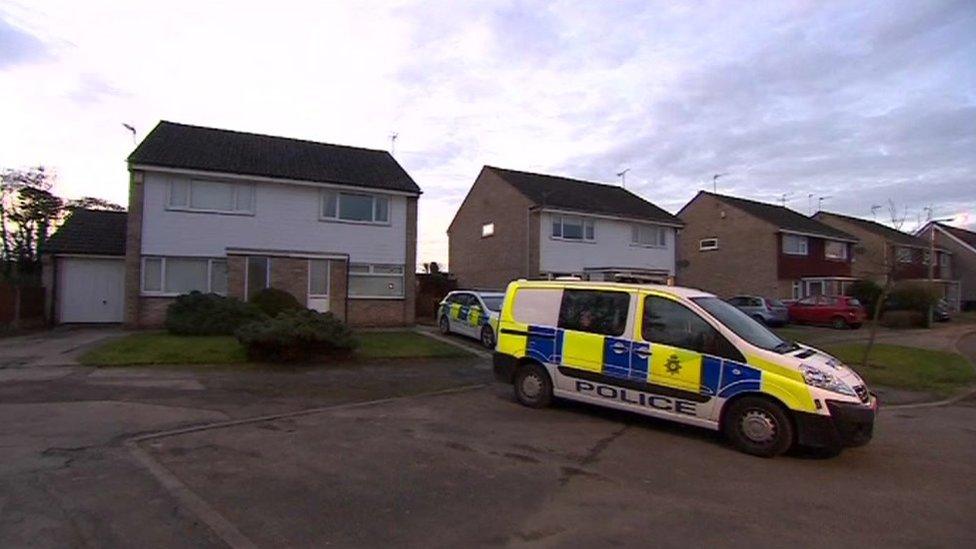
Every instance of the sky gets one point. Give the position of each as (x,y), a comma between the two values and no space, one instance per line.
(867,104)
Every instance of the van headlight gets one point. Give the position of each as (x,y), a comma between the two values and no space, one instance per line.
(816,377)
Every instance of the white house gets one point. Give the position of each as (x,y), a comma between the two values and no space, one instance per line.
(231,213)
(516,224)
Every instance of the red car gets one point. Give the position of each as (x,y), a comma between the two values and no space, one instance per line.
(840,312)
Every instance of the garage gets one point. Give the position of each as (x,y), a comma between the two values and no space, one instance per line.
(92,290)
(84,268)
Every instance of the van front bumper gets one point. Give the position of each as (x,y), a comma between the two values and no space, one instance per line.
(849,424)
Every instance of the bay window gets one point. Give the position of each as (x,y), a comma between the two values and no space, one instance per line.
(648,235)
(795,244)
(375,280)
(571,227)
(182,275)
(211,196)
(356,207)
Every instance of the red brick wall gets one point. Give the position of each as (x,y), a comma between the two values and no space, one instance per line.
(377,312)
(132,317)
(291,275)
(494,261)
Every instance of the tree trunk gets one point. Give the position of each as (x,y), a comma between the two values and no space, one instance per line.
(873,333)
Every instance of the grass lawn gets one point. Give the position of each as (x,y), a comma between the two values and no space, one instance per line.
(907,367)
(163,348)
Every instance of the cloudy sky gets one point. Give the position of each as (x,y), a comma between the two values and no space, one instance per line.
(862,102)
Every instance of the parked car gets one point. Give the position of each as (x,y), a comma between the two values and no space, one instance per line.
(940,312)
(470,313)
(837,311)
(768,311)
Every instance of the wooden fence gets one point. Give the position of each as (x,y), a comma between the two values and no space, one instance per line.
(21,306)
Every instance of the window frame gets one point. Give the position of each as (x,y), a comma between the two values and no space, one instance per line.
(188,205)
(804,240)
(487,229)
(587,228)
(267,274)
(635,231)
(944,260)
(639,324)
(616,294)
(907,257)
(843,245)
(338,193)
(371,267)
(703,248)
(161,292)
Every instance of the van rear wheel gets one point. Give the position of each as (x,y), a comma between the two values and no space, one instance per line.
(533,388)
(759,427)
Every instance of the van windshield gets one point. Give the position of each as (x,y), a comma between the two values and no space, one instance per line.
(743,325)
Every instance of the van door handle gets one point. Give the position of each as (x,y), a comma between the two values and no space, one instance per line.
(642,352)
(619,348)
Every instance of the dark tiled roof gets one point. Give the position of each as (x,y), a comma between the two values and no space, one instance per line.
(784,218)
(173,145)
(583,196)
(888,233)
(969,237)
(90,232)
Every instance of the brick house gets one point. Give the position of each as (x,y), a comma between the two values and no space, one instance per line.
(879,245)
(515,224)
(231,213)
(735,246)
(961,244)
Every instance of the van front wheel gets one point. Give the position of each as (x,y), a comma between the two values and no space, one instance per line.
(533,388)
(759,427)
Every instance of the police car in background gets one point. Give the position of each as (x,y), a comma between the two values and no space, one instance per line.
(680,354)
(470,313)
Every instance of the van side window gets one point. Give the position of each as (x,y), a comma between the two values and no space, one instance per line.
(594,311)
(670,323)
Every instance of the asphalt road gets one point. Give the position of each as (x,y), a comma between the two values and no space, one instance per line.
(474,468)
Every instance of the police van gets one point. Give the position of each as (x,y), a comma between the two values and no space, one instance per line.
(680,354)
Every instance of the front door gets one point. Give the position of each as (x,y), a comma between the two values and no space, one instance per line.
(318,285)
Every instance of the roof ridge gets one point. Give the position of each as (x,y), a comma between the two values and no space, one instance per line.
(573,179)
(753,201)
(276,137)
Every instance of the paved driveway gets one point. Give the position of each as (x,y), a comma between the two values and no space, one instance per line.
(476,468)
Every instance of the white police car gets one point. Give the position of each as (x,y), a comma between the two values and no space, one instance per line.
(470,313)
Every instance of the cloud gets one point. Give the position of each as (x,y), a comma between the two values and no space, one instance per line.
(92,88)
(19,47)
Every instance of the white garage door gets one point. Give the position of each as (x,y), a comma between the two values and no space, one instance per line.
(91,290)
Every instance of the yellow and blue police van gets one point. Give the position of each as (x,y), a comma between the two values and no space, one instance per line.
(680,354)
(471,313)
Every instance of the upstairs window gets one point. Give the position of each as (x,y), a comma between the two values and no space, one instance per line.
(355,207)
(707,244)
(487,230)
(648,235)
(944,260)
(795,244)
(903,255)
(835,250)
(211,196)
(571,227)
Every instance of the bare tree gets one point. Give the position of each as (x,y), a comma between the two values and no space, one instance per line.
(882,265)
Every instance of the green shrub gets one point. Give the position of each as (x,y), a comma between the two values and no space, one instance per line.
(912,296)
(273,301)
(867,292)
(208,314)
(903,319)
(296,336)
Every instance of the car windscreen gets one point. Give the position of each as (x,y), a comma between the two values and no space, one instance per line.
(743,325)
(493,302)
(775,303)
(853,302)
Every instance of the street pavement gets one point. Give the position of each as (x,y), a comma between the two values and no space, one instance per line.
(381,460)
